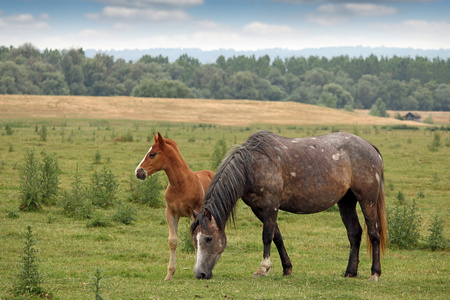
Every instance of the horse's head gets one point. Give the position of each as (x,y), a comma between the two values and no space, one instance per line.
(209,242)
(154,160)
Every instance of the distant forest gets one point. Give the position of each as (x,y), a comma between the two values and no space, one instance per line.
(397,83)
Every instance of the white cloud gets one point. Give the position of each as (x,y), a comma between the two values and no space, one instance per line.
(356,9)
(141,15)
(333,14)
(151,3)
(23,22)
(264,28)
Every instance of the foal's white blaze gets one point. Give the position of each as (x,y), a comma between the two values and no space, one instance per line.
(143,159)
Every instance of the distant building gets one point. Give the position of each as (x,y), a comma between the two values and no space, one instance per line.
(412,117)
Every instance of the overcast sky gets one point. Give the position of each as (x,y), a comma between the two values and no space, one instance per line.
(227,24)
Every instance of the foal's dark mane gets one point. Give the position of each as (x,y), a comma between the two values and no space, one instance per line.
(235,173)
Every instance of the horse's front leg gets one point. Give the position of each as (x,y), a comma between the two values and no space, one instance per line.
(172,221)
(269,226)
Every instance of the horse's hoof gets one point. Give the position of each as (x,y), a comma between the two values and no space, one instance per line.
(287,272)
(257,275)
(373,277)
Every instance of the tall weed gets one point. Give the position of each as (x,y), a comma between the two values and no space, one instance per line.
(404,225)
(29,278)
(103,188)
(436,240)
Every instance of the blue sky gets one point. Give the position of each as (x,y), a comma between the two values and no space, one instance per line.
(226,24)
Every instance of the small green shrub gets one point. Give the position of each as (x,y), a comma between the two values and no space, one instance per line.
(125,214)
(219,153)
(401,198)
(30,188)
(39,182)
(98,220)
(97,158)
(404,225)
(436,143)
(43,133)
(29,279)
(8,130)
(103,188)
(98,276)
(147,192)
(185,237)
(76,202)
(49,178)
(436,240)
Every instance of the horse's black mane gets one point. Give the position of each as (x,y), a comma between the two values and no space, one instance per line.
(234,174)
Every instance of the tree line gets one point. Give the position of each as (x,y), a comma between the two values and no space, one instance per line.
(400,83)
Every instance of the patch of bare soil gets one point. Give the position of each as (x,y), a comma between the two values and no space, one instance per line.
(221,112)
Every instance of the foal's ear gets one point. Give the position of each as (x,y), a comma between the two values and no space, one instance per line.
(155,138)
(161,140)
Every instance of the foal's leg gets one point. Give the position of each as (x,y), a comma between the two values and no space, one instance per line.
(347,208)
(172,221)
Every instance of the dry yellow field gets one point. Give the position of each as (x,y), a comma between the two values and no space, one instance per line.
(221,112)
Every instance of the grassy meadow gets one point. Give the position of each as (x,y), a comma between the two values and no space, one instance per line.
(133,258)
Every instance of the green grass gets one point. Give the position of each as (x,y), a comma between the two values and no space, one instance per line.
(134,258)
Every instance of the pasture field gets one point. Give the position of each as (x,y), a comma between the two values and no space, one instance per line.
(134,257)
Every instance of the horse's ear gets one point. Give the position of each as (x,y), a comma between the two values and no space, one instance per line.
(208,214)
(161,140)
(194,214)
(155,138)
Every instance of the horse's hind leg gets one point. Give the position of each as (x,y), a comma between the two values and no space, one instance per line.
(172,221)
(373,232)
(347,208)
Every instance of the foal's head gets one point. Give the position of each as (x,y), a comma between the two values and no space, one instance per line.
(155,160)
(209,242)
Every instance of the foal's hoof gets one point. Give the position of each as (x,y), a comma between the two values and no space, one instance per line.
(168,277)
(373,277)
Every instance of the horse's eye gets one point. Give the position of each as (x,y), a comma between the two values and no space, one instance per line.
(152,155)
(208,239)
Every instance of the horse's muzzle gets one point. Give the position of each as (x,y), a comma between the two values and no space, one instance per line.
(202,275)
(141,174)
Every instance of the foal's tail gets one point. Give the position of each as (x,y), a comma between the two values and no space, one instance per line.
(382,217)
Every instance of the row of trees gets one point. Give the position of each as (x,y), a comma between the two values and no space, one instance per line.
(402,83)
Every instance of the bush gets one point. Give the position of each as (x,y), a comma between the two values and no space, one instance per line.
(219,153)
(39,182)
(125,214)
(103,188)
(49,178)
(403,225)
(29,279)
(186,238)
(76,201)
(436,240)
(147,192)
(436,143)
(98,220)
